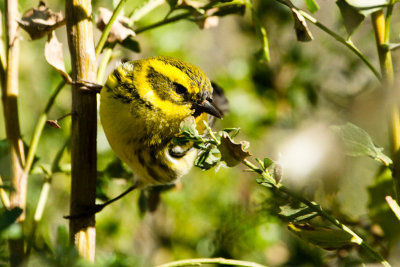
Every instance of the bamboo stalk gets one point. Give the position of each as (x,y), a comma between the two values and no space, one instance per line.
(84,126)
(382,35)
(10,107)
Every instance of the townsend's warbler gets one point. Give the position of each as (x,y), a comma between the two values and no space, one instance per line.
(142,106)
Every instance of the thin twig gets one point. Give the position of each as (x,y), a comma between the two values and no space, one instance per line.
(163,22)
(343,41)
(107,29)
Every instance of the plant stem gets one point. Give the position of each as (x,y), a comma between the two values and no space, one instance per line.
(84,126)
(381,27)
(103,63)
(163,22)
(3,196)
(192,262)
(107,29)
(39,127)
(343,41)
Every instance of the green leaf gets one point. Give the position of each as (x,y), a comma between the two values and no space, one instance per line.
(188,127)
(267,162)
(325,238)
(352,18)
(208,159)
(8,217)
(359,143)
(300,214)
(367,7)
(312,5)
(233,132)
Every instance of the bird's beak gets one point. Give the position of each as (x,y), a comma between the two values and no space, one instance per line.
(207,107)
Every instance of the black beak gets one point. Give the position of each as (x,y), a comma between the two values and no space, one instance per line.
(207,107)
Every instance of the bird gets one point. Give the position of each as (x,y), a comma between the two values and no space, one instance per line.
(142,105)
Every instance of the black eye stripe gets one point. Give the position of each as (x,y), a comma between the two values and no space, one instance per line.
(179,89)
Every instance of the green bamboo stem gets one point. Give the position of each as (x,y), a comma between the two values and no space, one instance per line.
(381,27)
(318,209)
(192,262)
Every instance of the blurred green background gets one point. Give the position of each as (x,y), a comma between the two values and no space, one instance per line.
(283,107)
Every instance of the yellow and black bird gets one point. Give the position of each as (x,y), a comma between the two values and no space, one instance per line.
(142,106)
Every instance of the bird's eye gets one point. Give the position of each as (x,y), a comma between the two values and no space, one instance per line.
(180,89)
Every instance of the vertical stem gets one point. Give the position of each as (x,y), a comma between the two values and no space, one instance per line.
(382,36)
(10,107)
(84,126)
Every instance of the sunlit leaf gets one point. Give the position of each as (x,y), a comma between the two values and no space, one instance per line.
(53,53)
(366,7)
(301,214)
(325,238)
(359,143)
(312,5)
(352,18)
(393,46)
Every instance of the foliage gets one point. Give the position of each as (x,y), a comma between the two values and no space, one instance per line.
(276,87)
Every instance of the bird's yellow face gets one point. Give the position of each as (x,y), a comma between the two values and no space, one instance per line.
(142,105)
(167,86)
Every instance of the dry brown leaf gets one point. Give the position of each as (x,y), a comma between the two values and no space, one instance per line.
(53,123)
(302,32)
(210,21)
(120,30)
(40,21)
(54,56)
(232,153)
